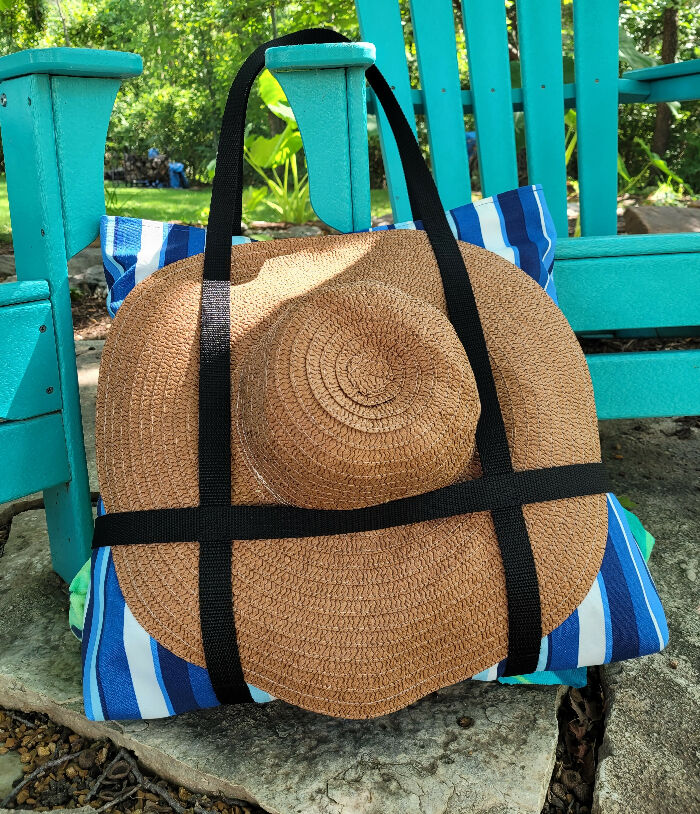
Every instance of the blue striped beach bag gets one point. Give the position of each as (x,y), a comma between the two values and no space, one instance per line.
(347,471)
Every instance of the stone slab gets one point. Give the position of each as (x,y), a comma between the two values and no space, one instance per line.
(88,353)
(85,271)
(418,760)
(649,761)
(10,772)
(642,220)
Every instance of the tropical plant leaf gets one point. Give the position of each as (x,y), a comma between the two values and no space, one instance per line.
(273,96)
(622,169)
(274,151)
(632,56)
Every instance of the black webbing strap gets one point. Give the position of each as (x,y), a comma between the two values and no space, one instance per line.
(226,522)
(522,587)
(215,589)
(215,522)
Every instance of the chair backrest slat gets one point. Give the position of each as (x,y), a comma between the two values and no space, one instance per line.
(436,50)
(597,66)
(542,79)
(380,23)
(489,74)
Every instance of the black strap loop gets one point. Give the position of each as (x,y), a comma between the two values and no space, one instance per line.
(226,522)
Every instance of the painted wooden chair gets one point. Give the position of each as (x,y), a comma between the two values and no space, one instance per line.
(605,282)
(54,110)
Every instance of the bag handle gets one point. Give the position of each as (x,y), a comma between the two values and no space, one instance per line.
(227,189)
(215,588)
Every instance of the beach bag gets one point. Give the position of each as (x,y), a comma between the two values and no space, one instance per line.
(348,471)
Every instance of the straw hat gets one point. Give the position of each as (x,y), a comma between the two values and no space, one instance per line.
(349,388)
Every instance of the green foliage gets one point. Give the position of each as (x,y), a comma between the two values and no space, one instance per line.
(192,48)
(665,191)
(274,158)
(631,54)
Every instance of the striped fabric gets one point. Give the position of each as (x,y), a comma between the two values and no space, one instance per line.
(516,225)
(127,674)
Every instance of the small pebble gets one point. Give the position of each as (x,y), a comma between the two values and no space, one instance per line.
(86,760)
(673,664)
(465,721)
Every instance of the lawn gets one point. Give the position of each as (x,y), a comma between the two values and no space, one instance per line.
(185,205)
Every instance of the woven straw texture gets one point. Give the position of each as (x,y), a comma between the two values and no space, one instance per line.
(349,388)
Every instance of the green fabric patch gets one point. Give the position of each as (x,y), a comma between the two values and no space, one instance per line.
(644,540)
(79,588)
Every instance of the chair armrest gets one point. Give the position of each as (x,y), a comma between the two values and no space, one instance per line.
(71,62)
(325,85)
(675,82)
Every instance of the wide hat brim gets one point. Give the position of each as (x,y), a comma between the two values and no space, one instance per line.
(354,625)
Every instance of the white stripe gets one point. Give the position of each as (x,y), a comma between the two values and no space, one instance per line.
(491,232)
(591,628)
(137,645)
(406,224)
(639,576)
(544,652)
(148,258)
(482,676)
(544,228)
(108,250)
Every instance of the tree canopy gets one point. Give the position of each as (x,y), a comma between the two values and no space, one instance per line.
(192,48)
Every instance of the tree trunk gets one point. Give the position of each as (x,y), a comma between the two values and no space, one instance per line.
(63,23)
(669,46)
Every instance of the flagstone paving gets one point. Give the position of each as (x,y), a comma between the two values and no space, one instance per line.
(422,759)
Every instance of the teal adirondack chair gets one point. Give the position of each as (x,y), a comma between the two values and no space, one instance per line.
(54,110)
(55,106)
(605,282)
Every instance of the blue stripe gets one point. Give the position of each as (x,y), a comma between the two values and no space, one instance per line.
(648,582)
(176,677)
(625,639)
(514,219)
(118,691)
(127,241)
(94,670)
(504,231)
(106,241)
(201,687)
(608,621)
(533,225)
(87,644)
(563,644)
(468,226)
(513,225)
(195,241)
(177,242)
(646,629)
(159,675)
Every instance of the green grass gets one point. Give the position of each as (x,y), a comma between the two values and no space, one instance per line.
(190,205)
(5,230)
(185,205)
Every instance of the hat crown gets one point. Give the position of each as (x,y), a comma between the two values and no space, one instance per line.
(357,394)
(372,376)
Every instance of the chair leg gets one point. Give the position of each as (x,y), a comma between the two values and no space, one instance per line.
(68,507)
